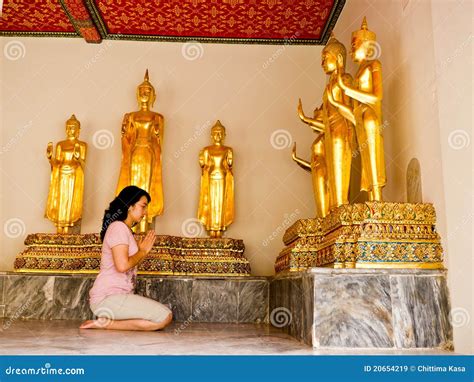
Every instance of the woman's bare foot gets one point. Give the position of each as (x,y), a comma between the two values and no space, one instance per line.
(133,324)
(89,324)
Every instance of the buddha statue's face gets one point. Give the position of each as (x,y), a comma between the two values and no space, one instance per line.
(146,94)
(359,49)
(328,61)
(72,130)
(218,135)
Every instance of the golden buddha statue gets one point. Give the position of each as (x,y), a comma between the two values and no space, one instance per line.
(216,199)
(367,111)
(317,165)
(142,138)
(337,128)
(66,190)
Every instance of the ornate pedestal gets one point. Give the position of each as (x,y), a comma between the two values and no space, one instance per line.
(363,308)
(170,255)
(365,235)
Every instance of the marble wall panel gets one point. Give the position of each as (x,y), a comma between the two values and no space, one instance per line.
(29,296)
(215,300)
(175,293)
(308,310)
(353,311)
(296,307)
(327,308)
(71,298)
(275,295)
(253,301)
(284,316)
(66,297)
(373,308)
(142,286)
(2,294)
(421,311)
(286,305)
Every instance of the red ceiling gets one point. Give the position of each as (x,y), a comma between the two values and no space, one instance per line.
(38,16)
(232,21)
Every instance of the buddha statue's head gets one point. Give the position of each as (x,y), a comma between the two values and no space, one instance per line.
(218,133)
(73,127)
(146,92)
(362,42)
(333,55)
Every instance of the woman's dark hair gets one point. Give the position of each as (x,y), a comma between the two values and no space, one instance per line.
(118,208)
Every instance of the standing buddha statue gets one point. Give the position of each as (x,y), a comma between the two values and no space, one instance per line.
(142,139)
(66,190)
(337,127)
(367,111)
(216,199)
(317,165)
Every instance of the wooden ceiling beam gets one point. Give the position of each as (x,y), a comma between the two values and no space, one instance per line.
(82,20)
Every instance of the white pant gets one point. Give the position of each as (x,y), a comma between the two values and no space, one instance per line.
(130,306)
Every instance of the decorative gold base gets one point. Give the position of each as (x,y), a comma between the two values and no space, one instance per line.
(401,265)
(365,235)
(171,255)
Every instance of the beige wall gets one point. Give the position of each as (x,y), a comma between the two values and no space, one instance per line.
(426,52)
(452,34)
(253,90)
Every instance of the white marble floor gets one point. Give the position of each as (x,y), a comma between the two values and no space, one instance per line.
(64,337)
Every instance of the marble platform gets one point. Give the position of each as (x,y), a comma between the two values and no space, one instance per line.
(363,308)
(331,310)
(192,299)
(63,337)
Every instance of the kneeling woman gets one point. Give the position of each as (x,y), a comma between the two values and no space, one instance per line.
(111,298)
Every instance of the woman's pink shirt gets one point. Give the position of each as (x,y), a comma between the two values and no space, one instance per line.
(110,281)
